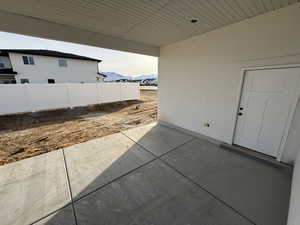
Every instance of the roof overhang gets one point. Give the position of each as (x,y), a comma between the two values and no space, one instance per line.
(139,26)
(26,25)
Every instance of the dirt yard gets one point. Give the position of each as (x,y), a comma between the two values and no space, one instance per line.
(27,135)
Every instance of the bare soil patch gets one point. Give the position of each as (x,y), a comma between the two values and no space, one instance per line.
(27,135)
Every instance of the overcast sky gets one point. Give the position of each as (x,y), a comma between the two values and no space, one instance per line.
(113,61)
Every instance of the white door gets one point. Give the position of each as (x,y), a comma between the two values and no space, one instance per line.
(266,103)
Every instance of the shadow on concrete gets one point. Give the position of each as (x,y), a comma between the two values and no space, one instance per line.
(156,192)
(116,171)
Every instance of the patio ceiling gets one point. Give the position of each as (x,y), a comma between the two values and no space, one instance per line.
(140,26)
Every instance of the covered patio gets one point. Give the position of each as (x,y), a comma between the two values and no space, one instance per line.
(152,174)
(229,75)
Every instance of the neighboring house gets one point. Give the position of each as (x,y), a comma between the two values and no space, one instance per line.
(46,66)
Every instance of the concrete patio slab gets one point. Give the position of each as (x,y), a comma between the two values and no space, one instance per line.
(158,139)
(257,190)
(116,181)
(32,188)
(64,216)
(94,163)
(156,195)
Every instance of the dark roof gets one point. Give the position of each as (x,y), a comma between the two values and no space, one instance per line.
(49,53)
(7,71)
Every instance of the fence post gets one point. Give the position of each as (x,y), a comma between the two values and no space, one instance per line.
(120,98)
(67,85)
(138,90)
(26,88)
(98,93)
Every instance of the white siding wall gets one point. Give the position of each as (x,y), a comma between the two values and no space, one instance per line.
(199,78)
(6,61)
(47,68)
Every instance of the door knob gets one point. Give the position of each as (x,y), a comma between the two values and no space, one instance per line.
(240,114)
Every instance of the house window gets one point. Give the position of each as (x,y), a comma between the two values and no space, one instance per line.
(28,60)
(31,61)
(62,63)
(51,81)
(24,81)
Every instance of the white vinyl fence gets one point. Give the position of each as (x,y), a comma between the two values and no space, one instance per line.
(18,98)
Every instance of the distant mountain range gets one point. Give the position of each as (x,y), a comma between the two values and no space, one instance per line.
(112,76)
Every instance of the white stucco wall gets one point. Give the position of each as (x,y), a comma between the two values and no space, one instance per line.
(199,78)
(47,68)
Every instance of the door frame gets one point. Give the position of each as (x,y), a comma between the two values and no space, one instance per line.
(243,72)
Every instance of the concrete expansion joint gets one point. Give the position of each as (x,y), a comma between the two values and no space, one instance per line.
(187,178)
(69,185)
